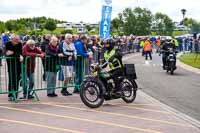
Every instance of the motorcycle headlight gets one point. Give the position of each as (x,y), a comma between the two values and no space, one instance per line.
(93,67)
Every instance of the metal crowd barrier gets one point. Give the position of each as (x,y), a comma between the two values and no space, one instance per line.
(20,81)
(11,75)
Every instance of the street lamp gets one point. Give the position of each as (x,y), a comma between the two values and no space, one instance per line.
(183,11)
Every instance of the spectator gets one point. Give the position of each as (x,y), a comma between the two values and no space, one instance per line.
(44,44)
(81,48)
(1,51)
(142,46)
(68,49)
(158,43)
(147,49)
(29,50)
(13,49)
(75,38)
(95,48)
(197,45)
(5,38)
(51,66)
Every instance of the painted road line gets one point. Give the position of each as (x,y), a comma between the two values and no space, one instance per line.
(39,125)
(39,103)
(154,105)
(59,103)
(144,109)
(124,115)
(84,120)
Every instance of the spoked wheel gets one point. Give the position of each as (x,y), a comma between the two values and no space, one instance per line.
(129,91)
(90,94)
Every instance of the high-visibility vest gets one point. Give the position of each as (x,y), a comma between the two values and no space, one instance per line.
(147,46)
(142,44)
(107,56)
(176,42)
(158,42)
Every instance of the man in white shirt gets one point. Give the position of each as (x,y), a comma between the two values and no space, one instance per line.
(67,63)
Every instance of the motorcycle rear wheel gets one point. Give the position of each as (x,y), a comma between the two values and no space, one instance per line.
(129,91)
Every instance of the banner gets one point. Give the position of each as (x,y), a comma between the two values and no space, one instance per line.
(106,19)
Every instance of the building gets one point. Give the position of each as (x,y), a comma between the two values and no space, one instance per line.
(80,27)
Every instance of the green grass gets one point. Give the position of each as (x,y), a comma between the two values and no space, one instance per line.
(189,59)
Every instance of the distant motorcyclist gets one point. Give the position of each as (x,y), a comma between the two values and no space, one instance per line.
(114,59)
(165,50)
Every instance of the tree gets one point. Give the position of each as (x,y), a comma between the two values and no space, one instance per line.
(2,27)
(188,21)
(9,25)
(50,25)
(116,24)
(183,11)
(195,28)
(163,24)
(67,31)
(137,21)
(88,27)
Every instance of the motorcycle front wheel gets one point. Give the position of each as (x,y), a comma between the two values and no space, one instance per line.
(129,91)
(172,65)
(90,94)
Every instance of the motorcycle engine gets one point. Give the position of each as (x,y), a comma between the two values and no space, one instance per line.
(110,84)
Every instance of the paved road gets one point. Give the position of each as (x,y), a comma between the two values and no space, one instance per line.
(180,91)
(68,114)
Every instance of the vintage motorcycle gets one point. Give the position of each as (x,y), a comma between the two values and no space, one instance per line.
(100,86)
(170,61)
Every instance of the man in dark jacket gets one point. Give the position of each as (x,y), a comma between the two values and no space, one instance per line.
(114,59)
(44,44)
(13,50)
(165,50)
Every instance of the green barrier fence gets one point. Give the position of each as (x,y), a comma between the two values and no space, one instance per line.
(34,72)
(10,76)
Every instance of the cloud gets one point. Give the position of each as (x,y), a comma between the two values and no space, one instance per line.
(90,10)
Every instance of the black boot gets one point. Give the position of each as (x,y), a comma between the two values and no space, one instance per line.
(64,92)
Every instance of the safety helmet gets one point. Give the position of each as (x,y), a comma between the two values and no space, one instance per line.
(110,43)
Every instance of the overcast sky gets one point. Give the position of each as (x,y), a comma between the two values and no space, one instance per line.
(90,10)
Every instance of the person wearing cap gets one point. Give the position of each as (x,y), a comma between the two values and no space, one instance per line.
(31,52)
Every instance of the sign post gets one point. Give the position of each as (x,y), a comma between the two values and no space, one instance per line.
(106,19)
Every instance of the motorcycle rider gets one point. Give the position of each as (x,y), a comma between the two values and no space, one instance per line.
(114,59)
(165,50)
